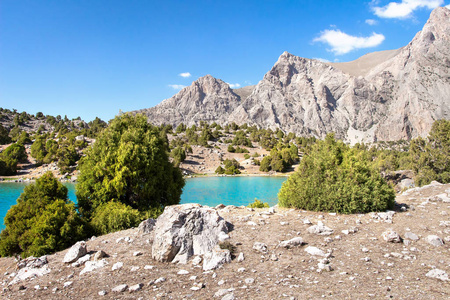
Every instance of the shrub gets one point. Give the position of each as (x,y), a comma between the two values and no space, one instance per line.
(114,216)
(43,220)
(334,177)
(220,170)
(128,163)
(258,204)
(246,156)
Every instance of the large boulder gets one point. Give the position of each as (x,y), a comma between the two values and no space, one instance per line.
(186,230)
(75,252)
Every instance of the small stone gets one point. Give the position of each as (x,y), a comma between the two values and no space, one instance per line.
(240,257)
(183,272)
(411,236)
(117,266)
(307,222)
(294,242)
(365,250)
(148,267)
(434,240)
(438,274)
(135,288)
(134,269)
(193,277)
(261,247)
(284,223)
(315,251)
(273,257)
(391,236)
(228,297)
(160,280)
(99,254)
(67,284)
(197,260)
(120,288)
(137,253)
(241,270)
(76,251)
(102,293)
(249,280)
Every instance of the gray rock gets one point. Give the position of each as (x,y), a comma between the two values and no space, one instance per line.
(186,230)
(102,293)
(316,251)
(434,240)
(261,247)
(320,229)
(294,242)
(93,265)
(216,258)
(32,262)
(391,236)
(411,236)
(135,288)
(99,254)
(438,274)
(146,226)
(75,252)
(241,257)
(120,288)
(117,266)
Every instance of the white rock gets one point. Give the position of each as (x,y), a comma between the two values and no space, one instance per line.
(391,236)
(315,251)
(67,284)
(186,230)
(438,274)
(120,288)
(135,288)
(434,240)
(261,247)
(240,257)
(249,280)
(320,229)
(294,242)
(75,252)
(183,272)
(93,265)
(117,266)
(216,258)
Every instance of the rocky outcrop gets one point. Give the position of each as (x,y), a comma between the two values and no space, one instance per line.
(207,99)
(183,231)
(388,95)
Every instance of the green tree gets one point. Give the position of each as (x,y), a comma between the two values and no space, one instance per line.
(334,177)
(4,136)
(43,220)
(431,157)
(179,155)
(128,163)
(114,216)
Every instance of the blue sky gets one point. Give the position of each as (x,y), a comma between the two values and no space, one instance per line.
(93,58)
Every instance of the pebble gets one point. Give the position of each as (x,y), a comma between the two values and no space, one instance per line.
(102,293)
(117,266)
(183,272)
(434,240)
(135,288)
(240,257)
(120,288)
(67,284)
(137,253)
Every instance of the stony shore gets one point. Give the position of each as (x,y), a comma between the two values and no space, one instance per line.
(403,254)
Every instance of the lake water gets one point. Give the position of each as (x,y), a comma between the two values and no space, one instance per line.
(209,191)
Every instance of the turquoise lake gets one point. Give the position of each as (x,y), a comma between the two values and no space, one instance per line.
(209,191)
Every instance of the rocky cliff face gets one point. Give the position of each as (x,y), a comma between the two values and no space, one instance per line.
(207,99)
(387,95)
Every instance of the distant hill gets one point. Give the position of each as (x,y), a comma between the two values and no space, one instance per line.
(387,95)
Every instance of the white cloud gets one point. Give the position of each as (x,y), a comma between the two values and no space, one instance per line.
(371,22)
(342,43)
(234,85)
(448,6)
(321,59)
(185,75)
(405,8)
(177,86)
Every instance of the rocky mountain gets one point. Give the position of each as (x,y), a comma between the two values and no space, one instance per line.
(388,95)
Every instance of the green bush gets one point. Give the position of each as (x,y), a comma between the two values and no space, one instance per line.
(333,177)
(114,216)
(128,163)
(258,204)
(431,157)
(43,221)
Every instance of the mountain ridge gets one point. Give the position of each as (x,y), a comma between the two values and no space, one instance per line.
(386,95)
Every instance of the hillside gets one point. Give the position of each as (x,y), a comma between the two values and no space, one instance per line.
(350,259)
(383,96)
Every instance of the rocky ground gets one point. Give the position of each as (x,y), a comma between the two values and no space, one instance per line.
(402,255)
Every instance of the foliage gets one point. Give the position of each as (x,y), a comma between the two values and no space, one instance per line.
(220,170)
(179,155)
(10,157)
(280,159)
(334,177)
(129,164)
(431,157)
(231,166)
(43,220)
(114,216)
(258,204)
(4,136)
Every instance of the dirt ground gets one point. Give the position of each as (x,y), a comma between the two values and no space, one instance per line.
(364,265)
